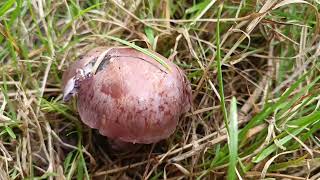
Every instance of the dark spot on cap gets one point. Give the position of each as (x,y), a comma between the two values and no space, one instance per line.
(114,90)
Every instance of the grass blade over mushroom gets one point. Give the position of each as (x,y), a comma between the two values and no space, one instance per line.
(145,51)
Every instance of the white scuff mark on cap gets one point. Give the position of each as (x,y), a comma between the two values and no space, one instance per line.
(72,86)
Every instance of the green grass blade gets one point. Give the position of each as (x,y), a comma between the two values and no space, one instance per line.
(10,132)
(82,170)
(145,51)
(197,8)
(6,6)
(219,64)
(68,161)
(269,108)
(302,123)
(266,152)
(233,140)
(150,35)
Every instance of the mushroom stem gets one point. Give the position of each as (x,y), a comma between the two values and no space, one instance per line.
(119,145)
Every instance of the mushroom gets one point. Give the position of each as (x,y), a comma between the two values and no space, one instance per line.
(127,95)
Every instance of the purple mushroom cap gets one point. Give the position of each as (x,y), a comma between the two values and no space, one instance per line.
(128,96)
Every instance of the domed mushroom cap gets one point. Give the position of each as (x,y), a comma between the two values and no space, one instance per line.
(130,97)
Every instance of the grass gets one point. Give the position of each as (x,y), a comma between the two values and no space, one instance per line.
(159,60)
(259,59)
